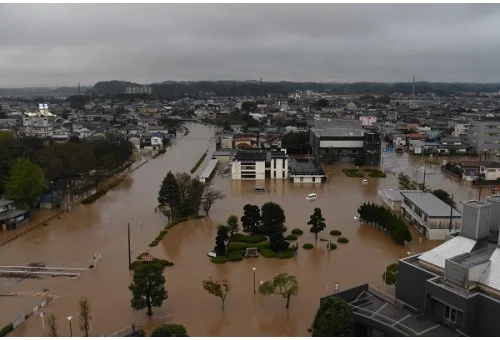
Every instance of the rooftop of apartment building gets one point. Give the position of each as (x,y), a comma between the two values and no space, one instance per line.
(305,166)
(258,155)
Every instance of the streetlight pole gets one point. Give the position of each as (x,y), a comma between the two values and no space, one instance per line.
(254,269)
(129,256)
(425,171)
(70,329)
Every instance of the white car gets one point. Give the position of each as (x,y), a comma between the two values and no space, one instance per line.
(311,197)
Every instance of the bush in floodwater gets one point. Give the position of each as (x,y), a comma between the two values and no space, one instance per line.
(219,260)
(335,233)
(291,237)
(268,253)
(287,254)
(297,231)
(342,240)
(235,256)
(308,246)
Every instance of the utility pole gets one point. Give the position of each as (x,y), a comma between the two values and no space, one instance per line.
(129,256)
(480,189)
(451,212)
(425,171)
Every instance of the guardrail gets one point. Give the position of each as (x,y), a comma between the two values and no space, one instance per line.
(392,299)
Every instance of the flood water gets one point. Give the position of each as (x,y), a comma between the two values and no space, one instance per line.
(101,227)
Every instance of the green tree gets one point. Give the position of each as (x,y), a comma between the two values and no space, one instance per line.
(334,318)
(148,287)
(278,242)
(251,218)
(282,284)
(322,103)
(391,274)
(317,222)
(222,236)
(232,223)
(444,196)
(51,325)
(216,288)
(26,182)
(170,194)
(273,218)
(85,317)
(170,330)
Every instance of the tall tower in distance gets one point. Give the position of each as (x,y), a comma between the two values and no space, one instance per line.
(412,101)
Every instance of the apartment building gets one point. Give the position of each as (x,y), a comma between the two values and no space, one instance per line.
(259,164)
(484,134)
(431,216)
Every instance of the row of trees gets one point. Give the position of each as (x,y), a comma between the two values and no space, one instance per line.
(386,220)
(405,182)
(61,164)
(181,195)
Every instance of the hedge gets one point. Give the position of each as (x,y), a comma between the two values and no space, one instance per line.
(352,172)
(342,240)
(6,330)
(291,237)
(243,246)
(101,192)
(197,165)
(165,230)
(308,246)
(234,257)
(297,231)
(285,254)
(375,173)
(219,260)
(268,253)
(247,238)
(335,233)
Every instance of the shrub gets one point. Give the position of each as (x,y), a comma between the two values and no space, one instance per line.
(291,237)
(235,256)
(342,240)
(243,246)
(308,246)
(333,246)
(197,165)
(268,253)
(375,173)
(352,172)
(287,254)
(284,229)
(6,330)
(297,231)
(335,233)
(219,260)
(163,263)
(247,238)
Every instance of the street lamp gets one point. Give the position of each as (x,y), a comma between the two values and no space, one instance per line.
(254,269)
(336,287)
(129,256)
(70,329)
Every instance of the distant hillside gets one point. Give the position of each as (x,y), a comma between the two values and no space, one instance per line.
(112,87)
(171,89)
(42,91)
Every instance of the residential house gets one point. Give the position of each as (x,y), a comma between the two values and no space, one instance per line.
(246,141)
(470,169)
(431,216)
(451,145)
(10,217)
(159,140)
(489,171)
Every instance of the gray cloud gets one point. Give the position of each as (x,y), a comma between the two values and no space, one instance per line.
(60,44)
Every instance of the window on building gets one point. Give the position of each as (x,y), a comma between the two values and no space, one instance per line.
(274,165)
(314,179)
(450,313)
(274,174)
(284,174)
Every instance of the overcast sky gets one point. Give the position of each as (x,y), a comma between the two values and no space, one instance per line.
(59,44)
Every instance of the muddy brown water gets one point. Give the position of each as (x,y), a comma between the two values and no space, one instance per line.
(101,227)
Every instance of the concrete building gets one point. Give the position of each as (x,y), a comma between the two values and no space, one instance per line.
(139,90)
(484,135)
(458,283)
(431,216)
(345,141)
(306,170)
(393,198)
(259,164)
(10,217)
(489,171)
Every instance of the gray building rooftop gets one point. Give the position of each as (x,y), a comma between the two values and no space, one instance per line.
(5,202)
(454,247)
(431,205)
(395,195)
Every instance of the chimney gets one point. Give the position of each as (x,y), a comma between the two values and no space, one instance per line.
(475,219)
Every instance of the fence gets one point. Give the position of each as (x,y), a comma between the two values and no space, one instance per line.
(129,331)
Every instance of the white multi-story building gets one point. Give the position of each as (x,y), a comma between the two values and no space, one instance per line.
(432,217)
(461,130)
(259,164)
